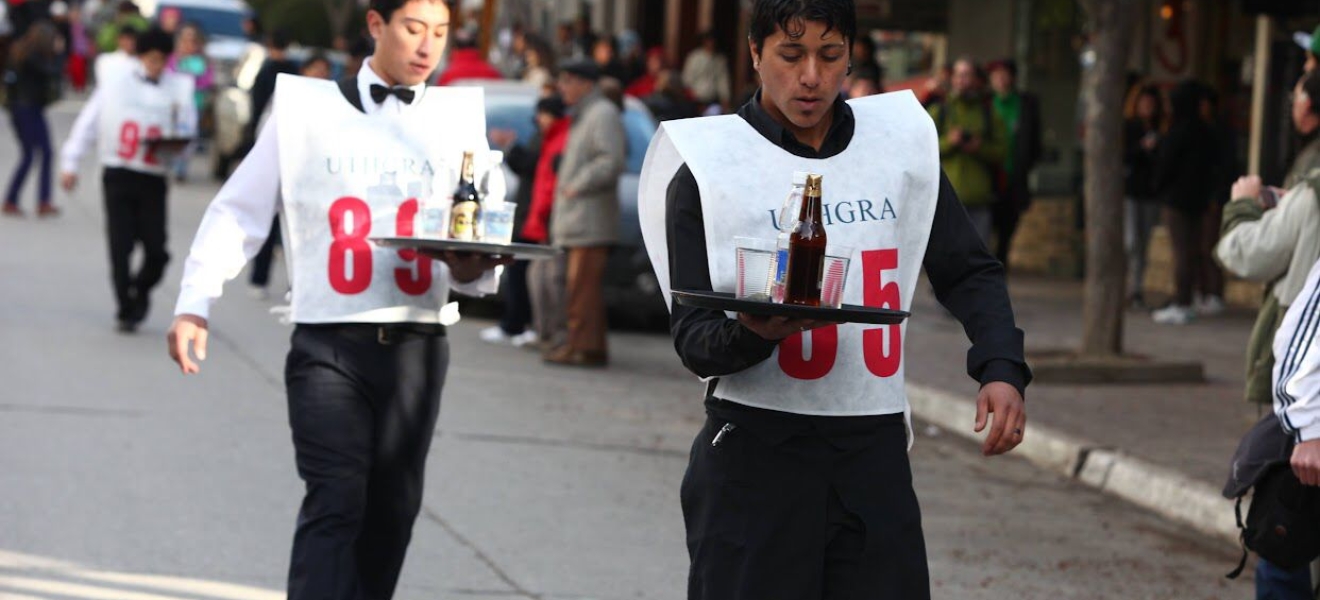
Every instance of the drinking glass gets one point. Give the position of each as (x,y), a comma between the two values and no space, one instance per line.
(755,268)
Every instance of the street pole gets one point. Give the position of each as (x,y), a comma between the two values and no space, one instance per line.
(1259,92)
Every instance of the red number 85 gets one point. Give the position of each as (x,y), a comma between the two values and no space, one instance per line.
(880,361)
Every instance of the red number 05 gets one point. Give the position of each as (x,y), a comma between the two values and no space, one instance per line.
(351,244)
(882,359)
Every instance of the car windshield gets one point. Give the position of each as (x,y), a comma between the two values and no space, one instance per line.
(515,113)
(214,22)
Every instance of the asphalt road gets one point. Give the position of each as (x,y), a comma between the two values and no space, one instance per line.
(121,479)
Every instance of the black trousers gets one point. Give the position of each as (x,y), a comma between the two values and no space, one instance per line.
(363,403)
(260,275)
(135,213)
(517,299)
(806,517)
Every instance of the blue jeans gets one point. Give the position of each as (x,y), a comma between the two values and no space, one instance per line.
(33,137)
(1274,583)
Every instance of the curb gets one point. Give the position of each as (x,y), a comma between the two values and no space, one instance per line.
(1164,491)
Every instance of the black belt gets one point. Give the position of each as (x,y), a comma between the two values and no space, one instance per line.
(383,333)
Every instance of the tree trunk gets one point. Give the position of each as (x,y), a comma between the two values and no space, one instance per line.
(339,12)
(1112,23)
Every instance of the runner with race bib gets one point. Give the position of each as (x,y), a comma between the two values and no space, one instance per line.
(343,163)
(799,485)
(125,117)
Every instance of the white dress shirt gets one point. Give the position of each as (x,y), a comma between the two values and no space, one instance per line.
(1297,364)
(88,124)
(238,221)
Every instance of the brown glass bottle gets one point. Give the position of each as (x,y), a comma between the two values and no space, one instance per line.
(466,208)
(806,249)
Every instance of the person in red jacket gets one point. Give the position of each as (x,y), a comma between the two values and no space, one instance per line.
(546,278)
(466,62)
(645,85)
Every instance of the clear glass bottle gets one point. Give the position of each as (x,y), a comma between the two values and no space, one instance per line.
(787,219)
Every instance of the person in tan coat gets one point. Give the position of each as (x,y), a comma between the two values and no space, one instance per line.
(585,221)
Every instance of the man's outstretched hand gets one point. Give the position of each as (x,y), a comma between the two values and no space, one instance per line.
(1009,412)
(187,331)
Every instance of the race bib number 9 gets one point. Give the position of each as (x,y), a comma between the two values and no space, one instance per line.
(351,258)
(882,346)
(131,141)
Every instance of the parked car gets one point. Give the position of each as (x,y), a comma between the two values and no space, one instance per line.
(631,290)
(221,21)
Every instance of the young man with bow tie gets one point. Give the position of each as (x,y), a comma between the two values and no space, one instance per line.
(344,163)
(125,113)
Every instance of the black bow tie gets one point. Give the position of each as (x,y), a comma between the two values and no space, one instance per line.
(379,93)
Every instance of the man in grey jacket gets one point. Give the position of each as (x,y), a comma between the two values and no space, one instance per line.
(585,221)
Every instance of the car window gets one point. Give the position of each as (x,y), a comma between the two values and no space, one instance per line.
(214,22)
(511,113)
(640,128)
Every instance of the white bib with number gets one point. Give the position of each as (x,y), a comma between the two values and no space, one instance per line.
(879,197)
(347,177)
(136,110)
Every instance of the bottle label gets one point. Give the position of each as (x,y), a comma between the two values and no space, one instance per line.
(463,222)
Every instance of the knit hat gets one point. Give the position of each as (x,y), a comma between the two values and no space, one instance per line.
(1308,41)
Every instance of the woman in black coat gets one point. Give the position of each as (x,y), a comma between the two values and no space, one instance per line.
(31,82)
(1184,168)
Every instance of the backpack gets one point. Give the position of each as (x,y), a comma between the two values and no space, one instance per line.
(1283,523)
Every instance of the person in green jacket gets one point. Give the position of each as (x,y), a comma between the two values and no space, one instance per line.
(973,145)
(126,15)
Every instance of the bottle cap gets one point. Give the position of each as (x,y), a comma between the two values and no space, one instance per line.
(814,183)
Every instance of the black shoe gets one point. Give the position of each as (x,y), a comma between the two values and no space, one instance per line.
(141,306)
(126,326)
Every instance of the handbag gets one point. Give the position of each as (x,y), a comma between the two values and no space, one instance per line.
(1283,523)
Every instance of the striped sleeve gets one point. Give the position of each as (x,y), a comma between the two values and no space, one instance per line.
(1297,364)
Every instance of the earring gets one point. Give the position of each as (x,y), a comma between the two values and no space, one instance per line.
(850,69)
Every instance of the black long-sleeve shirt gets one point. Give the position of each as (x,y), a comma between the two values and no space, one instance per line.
(967,279)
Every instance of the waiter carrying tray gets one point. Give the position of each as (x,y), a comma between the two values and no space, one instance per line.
(133,108)
(799,485)
(347,162)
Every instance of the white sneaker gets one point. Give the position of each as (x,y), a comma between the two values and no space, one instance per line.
(495,335)
(1210,306)
(525,339)
(1173,315)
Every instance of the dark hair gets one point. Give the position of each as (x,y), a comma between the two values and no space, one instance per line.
(316,57)
(360,48)
(1005,64)
(1185,101)
(871,73)
(280,39)
(1153,93)
(791,17)
(155,40)
(1311,85)
(464,39)
(387,8)
(868,47)
(37,41)
(552,105)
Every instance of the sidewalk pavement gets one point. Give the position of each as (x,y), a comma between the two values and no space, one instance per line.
(1163,447)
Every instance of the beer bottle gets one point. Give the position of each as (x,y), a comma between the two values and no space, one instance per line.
(465,210)
(806,249)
